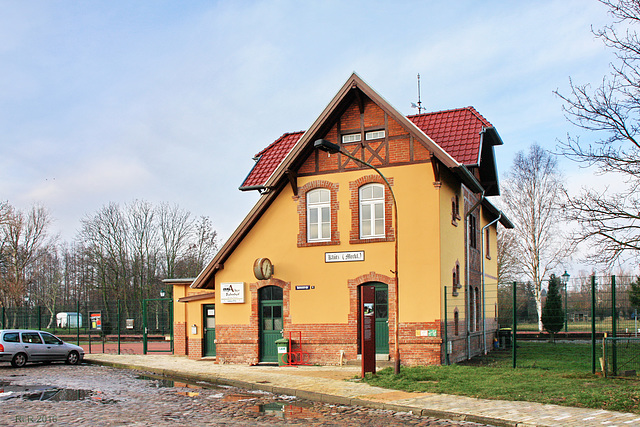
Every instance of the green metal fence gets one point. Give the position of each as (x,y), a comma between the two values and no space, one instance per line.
(594,307)
(112,326)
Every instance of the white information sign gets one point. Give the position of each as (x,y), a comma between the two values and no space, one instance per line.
(344,256)
(232,293)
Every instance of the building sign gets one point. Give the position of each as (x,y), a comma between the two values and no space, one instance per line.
(344,256)
(232,293)
(426,333)
(304,287)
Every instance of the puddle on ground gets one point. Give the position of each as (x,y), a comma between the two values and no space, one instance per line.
(163,382)
(285,407)
(288,410)
(43,392)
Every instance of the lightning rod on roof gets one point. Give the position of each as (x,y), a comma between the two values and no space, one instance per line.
(419,106)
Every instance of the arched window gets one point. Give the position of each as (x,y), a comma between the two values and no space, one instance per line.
(318,215)
(372,211)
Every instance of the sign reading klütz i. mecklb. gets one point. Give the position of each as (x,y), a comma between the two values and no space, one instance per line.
(232,293)
(344,256)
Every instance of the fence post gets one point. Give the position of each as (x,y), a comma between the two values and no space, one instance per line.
(144,326)
(515,326)
(118,302)
(614,327)
(444,335)
(78,322)
(39,317)
(593,324)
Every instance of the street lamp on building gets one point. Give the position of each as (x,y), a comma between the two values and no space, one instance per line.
(330,147)
(565,280)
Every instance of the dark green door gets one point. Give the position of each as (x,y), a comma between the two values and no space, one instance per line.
(270,322)
(382,319)
(209,322)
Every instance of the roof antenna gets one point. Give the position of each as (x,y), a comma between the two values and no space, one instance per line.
(419,106)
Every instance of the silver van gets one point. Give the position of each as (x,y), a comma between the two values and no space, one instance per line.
(20,346)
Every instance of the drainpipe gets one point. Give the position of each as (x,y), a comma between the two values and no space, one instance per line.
(468,265)
(484,307)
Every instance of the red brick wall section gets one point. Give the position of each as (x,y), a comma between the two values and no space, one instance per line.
(180,338)
(195,348)
(324,342)
(373,115)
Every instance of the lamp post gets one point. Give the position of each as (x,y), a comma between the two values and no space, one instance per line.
(565,280)
(330,147)
(162,293)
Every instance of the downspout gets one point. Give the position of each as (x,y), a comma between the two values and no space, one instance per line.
(468,267)
(484,307)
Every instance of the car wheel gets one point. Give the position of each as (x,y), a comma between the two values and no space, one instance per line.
(73,358)
(19,360)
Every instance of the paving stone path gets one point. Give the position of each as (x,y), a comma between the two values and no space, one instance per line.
(102,396)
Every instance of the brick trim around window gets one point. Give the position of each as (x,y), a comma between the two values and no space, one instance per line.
(302,213)
(354,205)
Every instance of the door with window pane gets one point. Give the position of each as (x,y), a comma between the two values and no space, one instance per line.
(270,322)
(209,317)
(382,318)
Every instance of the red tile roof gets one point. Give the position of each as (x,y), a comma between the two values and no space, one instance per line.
(456,131)
(269,159)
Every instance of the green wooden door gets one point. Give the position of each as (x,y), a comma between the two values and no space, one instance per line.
(209,322)
(382,319)
(270,322)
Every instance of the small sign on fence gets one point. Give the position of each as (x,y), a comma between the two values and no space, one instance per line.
(129,323)
(96,320)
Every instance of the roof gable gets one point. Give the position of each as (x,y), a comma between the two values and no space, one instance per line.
(459,132)
(290,151)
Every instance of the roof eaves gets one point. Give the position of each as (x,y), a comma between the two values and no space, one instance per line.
(504,220)
(243,228)
(255,164)
(468,179)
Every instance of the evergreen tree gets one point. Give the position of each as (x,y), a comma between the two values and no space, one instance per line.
(552,313)
(634,294)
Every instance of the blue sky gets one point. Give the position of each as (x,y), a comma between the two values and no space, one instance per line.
(169,100)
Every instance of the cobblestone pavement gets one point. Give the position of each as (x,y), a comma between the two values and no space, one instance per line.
(103,396)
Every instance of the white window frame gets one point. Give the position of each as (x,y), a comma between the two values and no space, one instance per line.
(324,204)
(375,134)
(370,204)
(352,137)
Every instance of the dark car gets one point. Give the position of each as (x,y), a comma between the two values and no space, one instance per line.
(20,346)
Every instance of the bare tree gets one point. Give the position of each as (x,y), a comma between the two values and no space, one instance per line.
(508,268)
(105,236)
(144,246)
(610,220)
(532,195)
(45,288)
(23,236)
(175,229)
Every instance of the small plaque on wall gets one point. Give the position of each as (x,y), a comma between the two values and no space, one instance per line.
(344,256)
(232,293)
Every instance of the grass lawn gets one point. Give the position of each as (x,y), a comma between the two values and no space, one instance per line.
(547,373)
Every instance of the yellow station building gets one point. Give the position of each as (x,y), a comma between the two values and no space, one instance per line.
(326,225)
